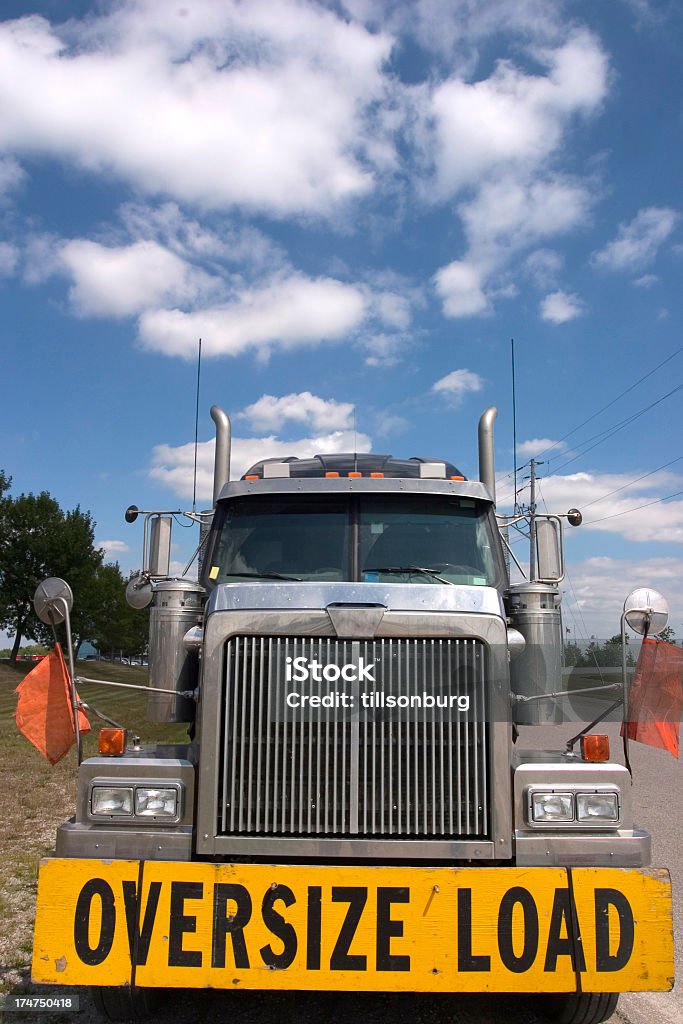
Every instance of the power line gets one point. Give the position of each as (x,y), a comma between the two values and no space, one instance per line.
(637,508)
(613,402)
(611,431)
(592,417)
(587,504)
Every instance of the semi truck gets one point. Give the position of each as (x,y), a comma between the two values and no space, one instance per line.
(353,808)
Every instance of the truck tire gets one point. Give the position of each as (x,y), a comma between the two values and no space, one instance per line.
(580,1008)
(125,1003)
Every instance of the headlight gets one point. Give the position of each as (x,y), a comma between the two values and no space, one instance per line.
(148,802)
(156,803)
(597,807)
(109,800)
(548,806)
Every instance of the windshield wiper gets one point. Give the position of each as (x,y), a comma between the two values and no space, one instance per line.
(432,573)
(266,576)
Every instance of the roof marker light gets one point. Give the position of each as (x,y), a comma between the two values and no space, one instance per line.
(354,475)
(252,476)
(457,478)
(331,475)
(377,476)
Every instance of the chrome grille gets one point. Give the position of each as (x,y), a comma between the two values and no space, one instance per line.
(362,771)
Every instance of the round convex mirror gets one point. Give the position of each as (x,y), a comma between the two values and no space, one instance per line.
(646,611)
(49,599)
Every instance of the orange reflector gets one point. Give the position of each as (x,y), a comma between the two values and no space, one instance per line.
(355,474)
(377,476)
(253,476)
(330,473)
(595,747)
(457,478)
(112,742)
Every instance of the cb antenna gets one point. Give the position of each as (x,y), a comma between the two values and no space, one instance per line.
(514,420)
(196,427)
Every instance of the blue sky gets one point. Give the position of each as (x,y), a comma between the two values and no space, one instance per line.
(356,205)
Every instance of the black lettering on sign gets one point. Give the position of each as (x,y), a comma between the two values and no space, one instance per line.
(517,896)
(604,960)
(314,928)
(559,945)
(467,961)
(356,896)
(93,955)
(276,923)
(387,927)
(233,926)
(139,938)
(182,923)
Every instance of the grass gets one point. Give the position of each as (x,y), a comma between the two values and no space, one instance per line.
(35,798)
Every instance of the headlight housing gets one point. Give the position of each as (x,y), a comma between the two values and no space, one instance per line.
(131,801)
(573,807)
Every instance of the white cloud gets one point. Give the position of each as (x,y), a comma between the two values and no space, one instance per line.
(174,466)
(638,242)
(595,589)
(646,281)
(459,286)
(533,447)
(457,384)
(112,547)
(512,119)
(267,104)
(543,267)
(125,280)
(11,175)
(560,307)
(616,503)
(505,216)
(271,413)
(383,349)
(287,313)
(9,258)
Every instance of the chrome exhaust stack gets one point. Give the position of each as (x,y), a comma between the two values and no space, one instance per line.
(487,467)
(221,465)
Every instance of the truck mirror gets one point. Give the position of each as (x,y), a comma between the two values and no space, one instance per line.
(549,551)
(646,611)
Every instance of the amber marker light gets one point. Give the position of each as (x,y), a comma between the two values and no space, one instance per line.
(252,476)
(331,475)
(377,476)
(355,475)
(595,747)
(111,742)
(457,478)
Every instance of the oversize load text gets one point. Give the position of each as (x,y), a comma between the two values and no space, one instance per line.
(352,927)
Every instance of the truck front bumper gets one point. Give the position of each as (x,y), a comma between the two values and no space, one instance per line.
(191,925)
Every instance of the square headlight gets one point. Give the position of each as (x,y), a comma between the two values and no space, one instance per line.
(156,802)
(550,806)
(111,800)
(597,807)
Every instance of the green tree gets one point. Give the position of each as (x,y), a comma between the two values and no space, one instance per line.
(37,540)
(116,627)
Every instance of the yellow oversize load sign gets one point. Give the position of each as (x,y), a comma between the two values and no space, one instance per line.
(364,928)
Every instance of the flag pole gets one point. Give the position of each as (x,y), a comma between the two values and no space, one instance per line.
(63,603)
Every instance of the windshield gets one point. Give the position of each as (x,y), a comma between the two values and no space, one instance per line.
(407,539)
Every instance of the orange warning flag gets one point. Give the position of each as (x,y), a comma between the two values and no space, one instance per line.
(44,713)
(656,697)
